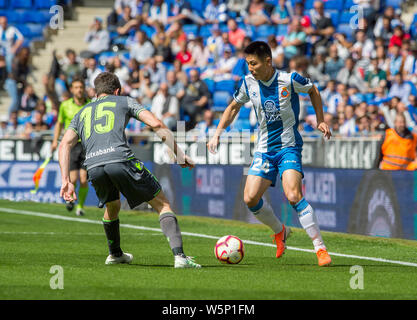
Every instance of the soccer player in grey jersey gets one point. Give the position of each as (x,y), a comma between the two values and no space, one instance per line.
(112,167)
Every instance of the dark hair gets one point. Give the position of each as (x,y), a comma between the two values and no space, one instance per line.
(107,83)
(77,79)
(259,48)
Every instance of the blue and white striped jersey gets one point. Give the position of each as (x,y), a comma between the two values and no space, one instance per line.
(277,108)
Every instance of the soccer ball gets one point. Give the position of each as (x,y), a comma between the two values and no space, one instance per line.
(229,249)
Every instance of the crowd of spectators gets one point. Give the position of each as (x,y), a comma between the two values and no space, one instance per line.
(173,55)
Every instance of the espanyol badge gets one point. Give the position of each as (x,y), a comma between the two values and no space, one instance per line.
(284,92)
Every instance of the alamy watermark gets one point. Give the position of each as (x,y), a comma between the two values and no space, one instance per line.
(357,280)
(57,20)
(57,280)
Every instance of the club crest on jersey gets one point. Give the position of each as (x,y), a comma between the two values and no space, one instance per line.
(254,94)
(271,112)
(284,92)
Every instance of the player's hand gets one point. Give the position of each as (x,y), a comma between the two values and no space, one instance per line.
(213,143)
(324,128)
(68,191)
(188,163)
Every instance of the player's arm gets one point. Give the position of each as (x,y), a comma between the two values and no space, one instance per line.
(318,108)
(227,118)
(167,137)
(68,141)
(57,133)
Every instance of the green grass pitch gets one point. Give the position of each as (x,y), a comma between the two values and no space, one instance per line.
(31,245)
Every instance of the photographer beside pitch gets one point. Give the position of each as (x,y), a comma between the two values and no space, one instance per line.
(274,95)
(112,167)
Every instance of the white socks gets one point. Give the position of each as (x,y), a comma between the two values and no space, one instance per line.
(264,213)
(308,220)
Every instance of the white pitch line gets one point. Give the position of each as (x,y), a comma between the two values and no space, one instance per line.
(58,217)
(72,233)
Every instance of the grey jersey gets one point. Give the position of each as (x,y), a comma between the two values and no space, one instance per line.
(101,127)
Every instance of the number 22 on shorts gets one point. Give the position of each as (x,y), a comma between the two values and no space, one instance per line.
(259,165)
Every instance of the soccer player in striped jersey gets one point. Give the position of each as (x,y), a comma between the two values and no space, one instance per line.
(274,95)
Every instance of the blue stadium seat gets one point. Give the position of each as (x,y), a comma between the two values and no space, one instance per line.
(333,4)
(334,15)
(393,3)
(190,28)
(310,110)
(150,31)
(241,124)
(36,30)
(348,4)
(221,100)
(15,16)
(44,4)
(273,2)
(198,5)
(264,31)
(205,31)
(37,16)
(244,113)
(369,97)
(24,30)
(225,85)
(308,4)
(3,4)
(210,84)
(21,4)
(282,30)
(345,16)
(223,27)
(345,29)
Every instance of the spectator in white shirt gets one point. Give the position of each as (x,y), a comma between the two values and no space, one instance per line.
(400,88)
(143,49)
(98,39)
(158,13)
(166,107)
(215,12)
(223,69)
(11,39)
(91,72)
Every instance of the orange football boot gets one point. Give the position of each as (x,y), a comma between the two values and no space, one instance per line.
(323,257)
(280,238)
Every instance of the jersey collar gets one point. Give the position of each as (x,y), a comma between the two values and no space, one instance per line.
(269,82)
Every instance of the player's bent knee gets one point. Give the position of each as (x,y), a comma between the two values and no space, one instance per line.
(250,201)
(294,197)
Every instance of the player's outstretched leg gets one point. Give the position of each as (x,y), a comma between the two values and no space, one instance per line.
(111,228)
(291,182)
(254,189)
(171,230)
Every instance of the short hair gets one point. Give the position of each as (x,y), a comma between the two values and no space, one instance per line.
(107,83)
(259,48)
(77,79)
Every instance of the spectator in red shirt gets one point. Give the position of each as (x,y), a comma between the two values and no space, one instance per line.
(398,37)
(236,35)
(184,56)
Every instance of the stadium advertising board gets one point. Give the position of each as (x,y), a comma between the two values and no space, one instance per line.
(336,153)
(370,202)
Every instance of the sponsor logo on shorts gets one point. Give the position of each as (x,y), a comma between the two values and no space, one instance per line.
(99,152)
(290,161)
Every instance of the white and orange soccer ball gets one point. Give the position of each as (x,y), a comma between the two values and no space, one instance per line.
(229,249)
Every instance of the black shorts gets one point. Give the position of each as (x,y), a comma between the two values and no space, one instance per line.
(131,178)
(77,157)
